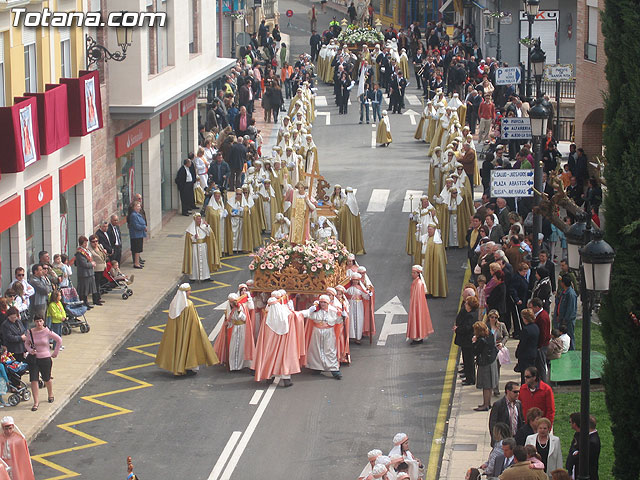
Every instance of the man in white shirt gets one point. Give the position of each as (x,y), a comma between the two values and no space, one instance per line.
(29,291)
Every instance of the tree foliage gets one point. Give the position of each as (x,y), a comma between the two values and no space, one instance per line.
(620,21)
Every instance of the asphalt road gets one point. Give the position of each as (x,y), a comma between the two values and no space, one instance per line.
(319,428)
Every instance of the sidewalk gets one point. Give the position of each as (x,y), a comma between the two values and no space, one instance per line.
(468,442)
(112,323)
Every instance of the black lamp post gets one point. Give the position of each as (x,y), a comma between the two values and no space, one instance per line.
(532,7)
(539,115)
(97,52)
(589,254)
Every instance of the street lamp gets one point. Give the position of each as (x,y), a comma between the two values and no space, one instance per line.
(539,116)
(97,52)
(532,7)
(589,254)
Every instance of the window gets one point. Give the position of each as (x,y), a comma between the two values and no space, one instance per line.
(65,53)
(2,92)
(162,46)
(193,19)
(30,65)
(591,45)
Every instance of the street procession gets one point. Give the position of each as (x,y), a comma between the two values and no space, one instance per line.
(330,239)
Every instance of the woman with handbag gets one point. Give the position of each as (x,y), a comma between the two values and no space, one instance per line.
(501,335)
(36,342)
(484,347)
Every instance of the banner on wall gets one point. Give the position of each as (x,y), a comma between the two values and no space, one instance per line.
(26,136)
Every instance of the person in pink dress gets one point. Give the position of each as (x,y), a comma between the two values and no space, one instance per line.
(14,452)
(419,326)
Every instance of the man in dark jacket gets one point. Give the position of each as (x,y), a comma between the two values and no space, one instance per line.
(115,238)
(464,335)
(219,173)
(507,410)
(185,180)
(103,238)
(237,159)
(573,458)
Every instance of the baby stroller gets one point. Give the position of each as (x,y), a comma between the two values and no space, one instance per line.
(17,390)
(75,309)
(117,284)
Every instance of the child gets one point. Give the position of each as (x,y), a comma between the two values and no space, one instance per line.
(117,275)
(554,350)
(565,338)
(56,314)
(482,299)
(62,269)
(533,457)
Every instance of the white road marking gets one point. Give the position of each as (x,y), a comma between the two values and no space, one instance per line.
(413,99)
(390,309)
(386,99)
(222,459)
(412,115)
(326,115)
(373,139)
(378,200)
(373,125)
(216,329)
(321,101)
(256,397)
(248,433)
(411,197)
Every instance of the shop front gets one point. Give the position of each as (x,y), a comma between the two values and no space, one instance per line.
(10,215)
(168,164)
(71,177)
(187,131)
(37,209)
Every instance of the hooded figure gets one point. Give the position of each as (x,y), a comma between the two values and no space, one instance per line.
(419,325)
(201,250)
(383,133)
(350,225)
(15,453)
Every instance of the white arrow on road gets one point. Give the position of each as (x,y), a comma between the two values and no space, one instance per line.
(327,115)
(412,115)
(389,310)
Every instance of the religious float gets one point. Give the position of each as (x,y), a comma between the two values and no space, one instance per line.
(355,37)
(303,268)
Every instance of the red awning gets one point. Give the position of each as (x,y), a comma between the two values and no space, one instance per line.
(72,173)
(84,103)
(188,104)
(9,212)
(19,135)
(38,195)
(169,116)
(130,139)
(53,118)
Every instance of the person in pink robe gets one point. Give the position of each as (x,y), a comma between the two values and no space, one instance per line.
(280,344)
(235,345)
(419,326)
(15,452)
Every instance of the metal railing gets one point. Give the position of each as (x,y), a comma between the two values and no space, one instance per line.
(567,89)
(567,129)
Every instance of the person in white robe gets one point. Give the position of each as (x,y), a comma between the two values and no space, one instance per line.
(216,204)
(199,235)
(282,227)
(401,447)
(268,197)
(322,351)
(292,163)
(236,324)
(325,230)
(455,199)
(356,293)
(368,468)
(236,205)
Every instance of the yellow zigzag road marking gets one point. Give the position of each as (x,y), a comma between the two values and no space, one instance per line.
(95,441)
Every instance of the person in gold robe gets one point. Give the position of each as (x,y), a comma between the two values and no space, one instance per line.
(301,208)
(201,250)
(383,133)
(350,227)
(185,345)
(435,263)
(219,220)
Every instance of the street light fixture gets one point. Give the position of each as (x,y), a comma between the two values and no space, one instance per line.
(532,7)
(593,258)
(538,58)
(97,52)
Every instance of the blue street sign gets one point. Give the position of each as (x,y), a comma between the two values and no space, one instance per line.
(511,183)
(508,76)
(513,128)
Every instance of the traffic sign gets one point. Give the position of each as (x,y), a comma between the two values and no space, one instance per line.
(558,72)
(508,76)
(289,13)
(513,128)
(511,183)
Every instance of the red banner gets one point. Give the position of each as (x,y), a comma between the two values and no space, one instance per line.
(84,103)
(9,213)
(53,118)
(72,174)
(169,116)
(38,195)
(19,135)
(130,139)
(188,104)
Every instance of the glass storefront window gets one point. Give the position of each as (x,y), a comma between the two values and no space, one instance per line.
(34,225)
(5,259)
(168,170)
(128,182)
(186,135)
(68,222)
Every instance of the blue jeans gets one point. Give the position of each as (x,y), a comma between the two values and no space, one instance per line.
(287,88)
(57,329)
(376,111)
(364,106)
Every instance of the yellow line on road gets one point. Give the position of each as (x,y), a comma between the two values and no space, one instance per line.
(139,384)
(437,443)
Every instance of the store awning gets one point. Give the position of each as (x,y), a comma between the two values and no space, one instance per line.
(172,95)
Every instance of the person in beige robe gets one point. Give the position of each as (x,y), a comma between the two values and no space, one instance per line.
(383,133)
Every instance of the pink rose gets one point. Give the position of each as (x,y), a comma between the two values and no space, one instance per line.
(252,266)
(262,266)
(313,268)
